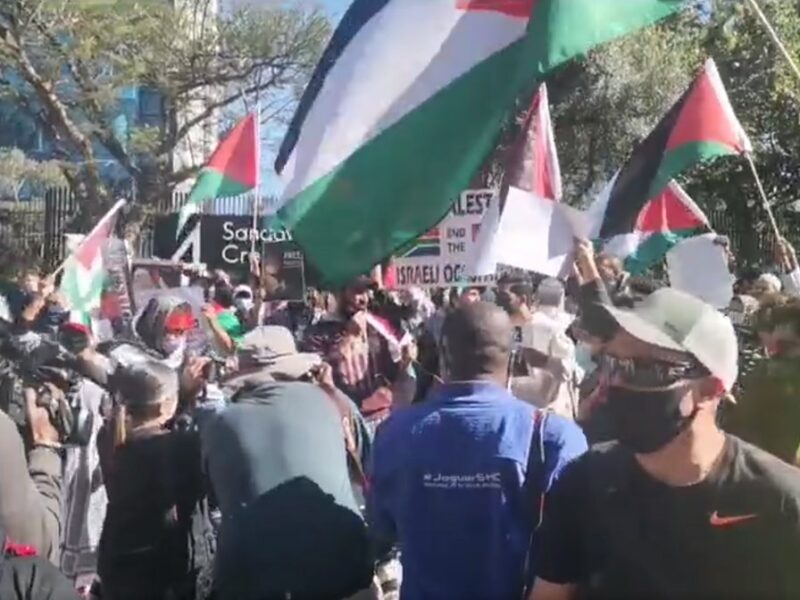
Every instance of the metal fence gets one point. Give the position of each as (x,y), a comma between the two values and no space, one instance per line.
(33,231)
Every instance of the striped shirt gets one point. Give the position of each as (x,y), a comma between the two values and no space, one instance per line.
(361,364)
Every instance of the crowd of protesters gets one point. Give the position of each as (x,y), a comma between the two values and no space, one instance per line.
(600,437)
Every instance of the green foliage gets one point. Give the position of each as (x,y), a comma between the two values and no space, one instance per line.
(606,103)
(68,63)
(18,172)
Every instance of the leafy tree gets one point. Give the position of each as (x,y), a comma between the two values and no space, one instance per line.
(603,105)
(17,172)
(68,64)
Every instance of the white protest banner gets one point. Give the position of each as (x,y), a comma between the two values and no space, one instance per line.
(699,267)
(534,234)
(439,258)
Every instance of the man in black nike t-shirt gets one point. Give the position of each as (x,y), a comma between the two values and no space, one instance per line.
(675,508)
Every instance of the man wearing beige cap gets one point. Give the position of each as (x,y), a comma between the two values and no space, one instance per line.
(675,508)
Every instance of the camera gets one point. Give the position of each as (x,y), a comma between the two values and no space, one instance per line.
(32,360)
(215,369)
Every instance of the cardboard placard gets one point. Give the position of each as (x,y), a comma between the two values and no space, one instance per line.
(439,258)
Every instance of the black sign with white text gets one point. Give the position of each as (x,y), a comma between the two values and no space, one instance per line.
(226,241)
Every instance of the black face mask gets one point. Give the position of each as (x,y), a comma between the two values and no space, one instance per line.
(646,421)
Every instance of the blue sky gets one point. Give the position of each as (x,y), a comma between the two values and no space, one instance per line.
(335,7)
(269,180)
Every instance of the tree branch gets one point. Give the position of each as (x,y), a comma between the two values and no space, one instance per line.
(209,110)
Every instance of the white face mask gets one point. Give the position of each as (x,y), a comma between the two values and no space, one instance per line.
(171,344)
(244,304)
(583,356)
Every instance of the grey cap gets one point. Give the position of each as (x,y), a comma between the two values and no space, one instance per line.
(271,348)
(677,321)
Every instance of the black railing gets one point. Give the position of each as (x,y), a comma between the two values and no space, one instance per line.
(33,231)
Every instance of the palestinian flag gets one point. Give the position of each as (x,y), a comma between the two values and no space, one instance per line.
(397,119)
(699,127)
(85,273)
(231,170)
(662,224)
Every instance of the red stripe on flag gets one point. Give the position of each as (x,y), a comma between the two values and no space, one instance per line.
(513,8)
(236,155)
(705,117)
(667,213)
(92,246)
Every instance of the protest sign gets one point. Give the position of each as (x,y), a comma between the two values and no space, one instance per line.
(698,266)
(439,258)
(117,304)
(154,275)
(226,241)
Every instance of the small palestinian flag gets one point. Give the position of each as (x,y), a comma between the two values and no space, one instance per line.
(231,170)
(85,271)
(699,127)
(662,224)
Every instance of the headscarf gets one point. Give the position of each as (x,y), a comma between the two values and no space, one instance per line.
(150,325)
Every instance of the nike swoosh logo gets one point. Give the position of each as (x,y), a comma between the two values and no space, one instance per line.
(717,521)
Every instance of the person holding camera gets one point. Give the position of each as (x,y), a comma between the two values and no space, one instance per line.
(30,488)
(157,537)
(277,459)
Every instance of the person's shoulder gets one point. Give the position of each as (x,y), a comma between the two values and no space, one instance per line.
(601,461)
(756,466)
(402,422)
(563,430)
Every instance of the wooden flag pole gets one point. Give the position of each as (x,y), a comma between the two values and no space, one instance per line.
(774,35)
(763,194)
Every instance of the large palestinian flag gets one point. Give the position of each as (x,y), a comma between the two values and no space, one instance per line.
(231,170)
(699,127)
(407,102)
(662,224)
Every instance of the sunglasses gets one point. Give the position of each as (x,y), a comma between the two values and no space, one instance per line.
(650,373)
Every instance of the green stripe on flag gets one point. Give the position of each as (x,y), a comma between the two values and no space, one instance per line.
(655,247)
(210,184)
(213,184)
(677,160)
(561,30)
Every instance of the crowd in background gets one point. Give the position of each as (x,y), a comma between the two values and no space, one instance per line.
(370,443)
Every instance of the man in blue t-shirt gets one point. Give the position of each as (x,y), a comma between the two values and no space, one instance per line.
(458,481)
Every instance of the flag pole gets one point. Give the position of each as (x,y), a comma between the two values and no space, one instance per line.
(774,35)
(100,223)
(257,191)
(763,194)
